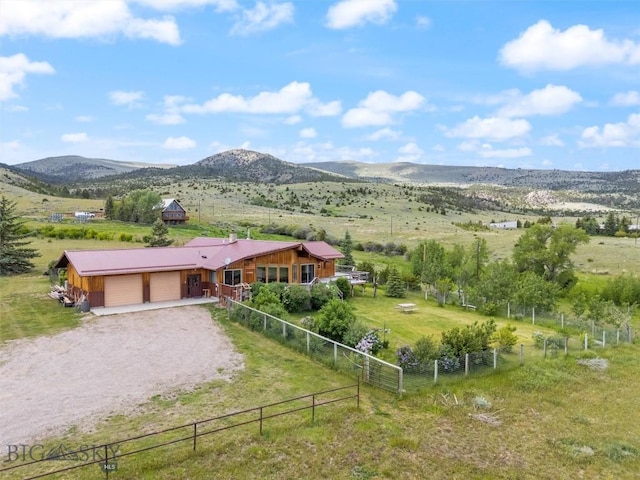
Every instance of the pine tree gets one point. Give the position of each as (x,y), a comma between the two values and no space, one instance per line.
(347,247)
(159,233)
(109,208)
(14,255)
(395,286)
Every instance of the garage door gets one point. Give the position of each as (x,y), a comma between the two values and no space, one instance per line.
(165,286)
(122,290)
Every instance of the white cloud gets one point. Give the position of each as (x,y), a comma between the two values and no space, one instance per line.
(84,118)
(290,99)
(410,152)
(166,118)
(487,151)
(352,13)
(74,137)
(263,17)
(293,120)
(622,134)
(171,115)
(423,21)
(70,19)
(13,69)
(542,47)
(626,99)
(378,107)
(493,128)
(220,5)
(552,141)
(550,100)
(318,109)
(384,133)
(178,143)
(308,133)
(130,99)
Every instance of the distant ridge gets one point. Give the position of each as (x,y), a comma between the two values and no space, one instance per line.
(406,172)
(74,168)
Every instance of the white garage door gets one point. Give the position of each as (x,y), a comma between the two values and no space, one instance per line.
(165,286)
(122,290)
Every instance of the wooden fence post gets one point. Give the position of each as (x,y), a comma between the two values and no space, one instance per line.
(435,372)
(466,364)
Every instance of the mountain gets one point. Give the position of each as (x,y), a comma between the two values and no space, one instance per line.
(249,166)
(405,172)
(74,168)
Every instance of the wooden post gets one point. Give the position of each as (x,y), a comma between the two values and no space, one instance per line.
(617,337)
(566,346)
(586,341)
(562,320)
(495,358)
(604,338)
(308,344)
(335,354)
(466,364)
(508,309)
(533,316)
(435,372)
(521,354)
(195,435)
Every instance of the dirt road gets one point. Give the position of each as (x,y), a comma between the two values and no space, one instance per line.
(107,365)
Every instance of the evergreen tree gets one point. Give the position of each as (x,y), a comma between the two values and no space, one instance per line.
(109,208)
(395,286)
(610,225)
(347,247)
(14,255)
(159,233)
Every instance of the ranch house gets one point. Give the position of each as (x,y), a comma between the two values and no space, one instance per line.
(202,267)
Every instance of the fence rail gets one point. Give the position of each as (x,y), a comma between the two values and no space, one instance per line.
(371,370)
(107,455)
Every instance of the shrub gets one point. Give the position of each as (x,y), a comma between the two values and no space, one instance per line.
(334,319)
(321,294)
(296,298)
(344,285)
(426,349)
(354,334)
(406,358)
(504,339)
(370,343)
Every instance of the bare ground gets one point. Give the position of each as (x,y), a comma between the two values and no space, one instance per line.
(108,365)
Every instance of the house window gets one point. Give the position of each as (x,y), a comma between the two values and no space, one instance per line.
(232,277)
(273,274)
(284,274)
(261,274)
(307,273)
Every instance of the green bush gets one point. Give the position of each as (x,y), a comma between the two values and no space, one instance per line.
(296,298)
(321,293)
(344,285)
(426,349)
(334,319)
(504,339)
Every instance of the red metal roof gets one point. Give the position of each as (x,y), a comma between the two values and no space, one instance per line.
(201,252)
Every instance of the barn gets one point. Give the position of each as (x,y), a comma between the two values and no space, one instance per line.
(203,267)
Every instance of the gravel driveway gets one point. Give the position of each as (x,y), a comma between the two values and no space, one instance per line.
(107,365)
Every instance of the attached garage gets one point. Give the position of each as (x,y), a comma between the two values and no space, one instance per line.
(164,286)
(122,290)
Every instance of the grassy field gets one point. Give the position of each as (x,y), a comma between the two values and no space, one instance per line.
(552,419)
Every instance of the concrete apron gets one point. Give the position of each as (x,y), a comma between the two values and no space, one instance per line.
(101,311)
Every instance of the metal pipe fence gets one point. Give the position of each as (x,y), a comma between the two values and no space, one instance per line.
(107,455)
(370,369)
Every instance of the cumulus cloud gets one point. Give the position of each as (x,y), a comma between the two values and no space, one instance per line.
(13,69)
(552,141)
(74,137)
(353,13)
(488,151)
(492,128)
(290,99)
(129,99)
(219,5)
(293,120)
(178,143)
(378,107)
(263,17)
(171,115)
(626,99)
(98,18)
(384,133)
(542,47)
(308,133)
(550,100)
(410,152)
(622,134)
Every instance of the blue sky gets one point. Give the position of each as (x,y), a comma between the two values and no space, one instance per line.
(543,84)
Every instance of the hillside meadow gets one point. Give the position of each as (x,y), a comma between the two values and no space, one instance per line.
(547,419)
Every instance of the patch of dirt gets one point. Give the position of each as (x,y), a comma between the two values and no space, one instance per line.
(108,365)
